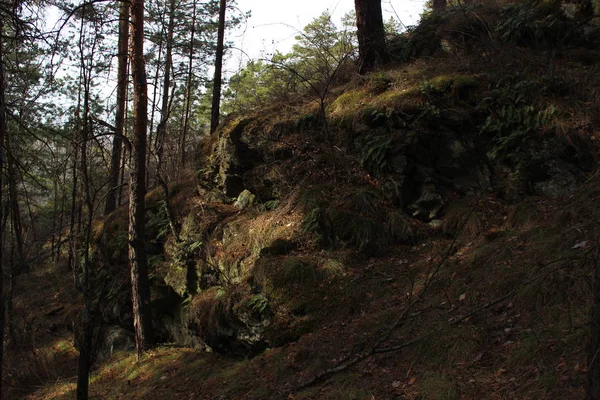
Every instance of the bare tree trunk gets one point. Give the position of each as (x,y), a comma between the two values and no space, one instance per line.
(161,46)
(593,390)
(115,161)
(140,288)
(216,99)
(16,263)
(165,110)
(72,260)
(371,35)
(85,359)
(57,251)
(54,223)
(10,323)
(122,175)
(188,90)
(15,212)
(3,134)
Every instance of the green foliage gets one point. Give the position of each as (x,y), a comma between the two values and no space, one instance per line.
(311,222)
(320,50)
(271,205)
(376,118)
(511,118)
(221,292)
(258,303)
(541,26)
(186,250)
(154,261)
(257,85)
(523,24)
(157,225)
(319,55)
(374,155)
(418,40)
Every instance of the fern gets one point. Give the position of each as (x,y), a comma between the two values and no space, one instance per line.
(511,118)
(258,303)
(376,152)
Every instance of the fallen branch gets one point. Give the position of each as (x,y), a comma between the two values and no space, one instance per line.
(348,362)
(377,348)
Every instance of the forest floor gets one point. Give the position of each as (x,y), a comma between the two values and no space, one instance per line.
(507,319)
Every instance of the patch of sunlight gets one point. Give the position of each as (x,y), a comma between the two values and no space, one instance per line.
(63,345)
(398,98)
(347,103)
(57,391)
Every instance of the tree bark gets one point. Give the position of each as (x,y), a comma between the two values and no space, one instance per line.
(84,359)
(371,35)
(3,134)
(140,290)
(115,160)
(216,99)
(593,392)
(164,114)
(188,91)
(15,212)
(161,45)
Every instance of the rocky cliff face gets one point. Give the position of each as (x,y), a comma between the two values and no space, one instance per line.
(275,204)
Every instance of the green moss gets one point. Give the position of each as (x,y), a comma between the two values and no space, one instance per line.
(379,82)
(347,102)
(454,85)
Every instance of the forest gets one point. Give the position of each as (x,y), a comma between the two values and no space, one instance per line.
(379,211)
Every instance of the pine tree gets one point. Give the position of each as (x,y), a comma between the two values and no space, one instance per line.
(371,35)
(140,288)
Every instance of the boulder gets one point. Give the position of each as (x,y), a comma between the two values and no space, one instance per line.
(244,200)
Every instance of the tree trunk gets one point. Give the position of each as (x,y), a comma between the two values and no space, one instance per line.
(115,160)
(165,109)
(16,263)
(161,45)
(216,99)
(371,35)
(3,134)
(15,212)
(140,290)
(594,356)
(188,90)
(84,363)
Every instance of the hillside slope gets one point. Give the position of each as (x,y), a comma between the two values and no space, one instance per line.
(435,239)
